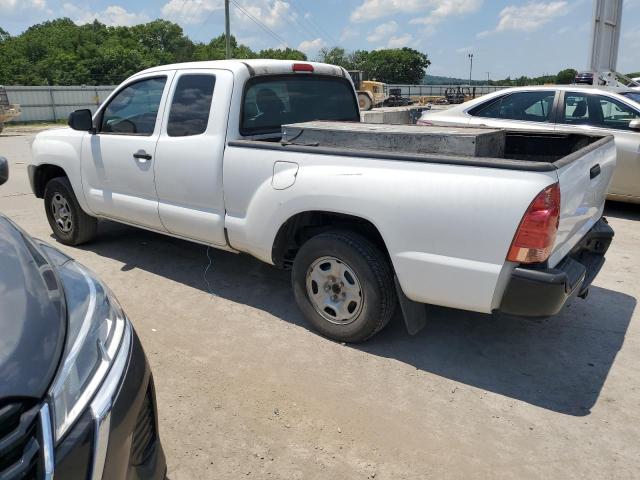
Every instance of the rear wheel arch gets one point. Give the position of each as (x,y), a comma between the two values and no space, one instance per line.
(303,226)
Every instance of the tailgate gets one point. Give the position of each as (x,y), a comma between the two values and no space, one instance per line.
(584,178)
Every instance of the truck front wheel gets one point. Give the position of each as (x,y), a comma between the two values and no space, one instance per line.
(70,224)
(344,286)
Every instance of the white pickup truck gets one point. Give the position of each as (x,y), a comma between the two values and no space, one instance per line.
(196,151)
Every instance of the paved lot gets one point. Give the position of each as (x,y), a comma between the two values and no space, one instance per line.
(246,390)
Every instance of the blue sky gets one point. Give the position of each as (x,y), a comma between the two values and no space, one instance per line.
(506,37)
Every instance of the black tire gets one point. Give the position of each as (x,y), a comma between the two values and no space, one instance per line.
(1,127)
(374,276)
(81,227)
(365,102)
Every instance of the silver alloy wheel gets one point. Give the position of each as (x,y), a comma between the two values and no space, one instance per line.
(334,290)
(61,213)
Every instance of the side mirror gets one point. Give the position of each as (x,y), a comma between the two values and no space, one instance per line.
(4,170)
(634,124)
(81,120)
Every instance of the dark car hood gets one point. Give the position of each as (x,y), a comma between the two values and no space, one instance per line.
(32,315)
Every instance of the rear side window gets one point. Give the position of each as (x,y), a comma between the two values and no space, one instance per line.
(576,109)
(272,101)
(523,106)
(191,104)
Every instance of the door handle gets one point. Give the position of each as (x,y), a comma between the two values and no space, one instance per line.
(142,155)
(594,171)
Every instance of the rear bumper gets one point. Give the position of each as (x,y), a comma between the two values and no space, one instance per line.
(541,292)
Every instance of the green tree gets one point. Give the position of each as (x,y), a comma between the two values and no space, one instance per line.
(216,49)
(336,56)
(566,76)
(395,66)
(280,54)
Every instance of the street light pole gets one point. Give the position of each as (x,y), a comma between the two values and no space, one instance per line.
(227,30)
(470,67)
(488,78)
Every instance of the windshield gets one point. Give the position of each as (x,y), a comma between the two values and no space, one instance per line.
(635,96)
(272,101)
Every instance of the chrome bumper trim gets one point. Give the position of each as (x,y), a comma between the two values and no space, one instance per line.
(102,403)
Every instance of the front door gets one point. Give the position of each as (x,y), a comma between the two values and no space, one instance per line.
(605,115)
(117,162)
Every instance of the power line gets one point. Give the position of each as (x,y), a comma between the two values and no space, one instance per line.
(259,23)
(314,26)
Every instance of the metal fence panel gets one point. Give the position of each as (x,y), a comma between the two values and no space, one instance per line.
(438,90)
(56,103)
(45,104)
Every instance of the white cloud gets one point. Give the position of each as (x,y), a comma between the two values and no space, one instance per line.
(111,15)
(528,18)
(348,33)
(448,8)
(273,13)
(11,6)
(400,41)
(311,46)
(382,31)
(190,11)
(374,9)
(436,10)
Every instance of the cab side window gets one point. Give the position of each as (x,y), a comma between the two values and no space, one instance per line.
(191,104)
(134,110)
(523,106)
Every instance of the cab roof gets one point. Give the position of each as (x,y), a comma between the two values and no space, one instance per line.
(252,66)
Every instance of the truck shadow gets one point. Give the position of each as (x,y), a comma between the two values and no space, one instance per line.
(627,211)
(558,364)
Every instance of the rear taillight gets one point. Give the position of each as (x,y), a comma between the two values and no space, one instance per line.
(302,67)
(536,234)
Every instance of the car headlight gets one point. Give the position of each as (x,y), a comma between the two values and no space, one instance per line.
(96,324)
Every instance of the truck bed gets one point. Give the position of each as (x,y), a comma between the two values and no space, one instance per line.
(529,151)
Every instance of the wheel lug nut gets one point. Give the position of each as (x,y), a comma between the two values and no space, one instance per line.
(334,298)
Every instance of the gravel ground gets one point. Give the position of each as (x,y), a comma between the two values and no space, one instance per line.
(245,390)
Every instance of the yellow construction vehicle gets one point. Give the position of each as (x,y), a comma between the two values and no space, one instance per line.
(8,111)
(370,93)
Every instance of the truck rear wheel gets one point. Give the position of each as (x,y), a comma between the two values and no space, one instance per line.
(1,127)
(70,224)
(344,286)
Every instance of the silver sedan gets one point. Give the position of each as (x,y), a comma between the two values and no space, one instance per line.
(566,108)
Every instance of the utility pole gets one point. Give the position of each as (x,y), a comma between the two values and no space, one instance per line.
(488,78)
(470,67)
(227,29)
